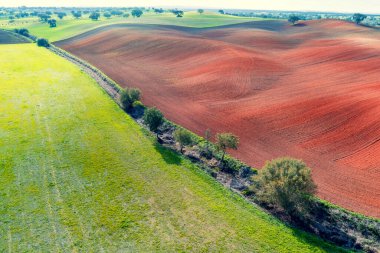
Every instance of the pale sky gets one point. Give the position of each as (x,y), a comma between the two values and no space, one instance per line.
(364,6)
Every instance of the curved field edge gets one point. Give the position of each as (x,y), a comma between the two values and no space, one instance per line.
(79,174)
(69,27)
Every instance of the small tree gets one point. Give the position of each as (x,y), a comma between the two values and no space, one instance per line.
(178,13)
(221,11)
(94,16)
(293,19)
(200,11)
(207,138)
(61,15)
(153,118)
(77,14)
(23,32)
(107,15)
(44,17)
(183,137)
(226,141)
(358,17)
(136,13)
(135,94)
(128,97)
(52,23)
(285,183)
(126,15)
(41,42)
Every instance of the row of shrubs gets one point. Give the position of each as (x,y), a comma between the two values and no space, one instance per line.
(284,183)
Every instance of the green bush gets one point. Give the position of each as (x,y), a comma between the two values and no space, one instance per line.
(128,97)
(138,105)
(183,137)
(153,118)
(41,42)
(285,183)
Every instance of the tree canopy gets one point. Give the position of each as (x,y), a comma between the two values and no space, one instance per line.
(153,118)
(285,183)
(358,17)
(226,141)
(94,16)
(293,19)
(136,13)
(183,137)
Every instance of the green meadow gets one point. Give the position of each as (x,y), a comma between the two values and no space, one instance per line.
(77,174)
(68,26)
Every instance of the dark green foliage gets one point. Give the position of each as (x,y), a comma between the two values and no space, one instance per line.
(157,11)
(136,13)
(94,16)
(138,105)
(293,19)
(23,32)
(226,141)
(178,13)
(285,183)
(358,17)
(52,23)
(135,94)
(221,11)
(200,11)
(126,15)
(153,118)
(128,96)
(41,42)
(183,137)
(117,12)
(44,17)
(76,14)
(61,15)
(107,15)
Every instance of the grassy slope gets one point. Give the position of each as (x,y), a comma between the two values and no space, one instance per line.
(78,173)
(7,37)
(69,27)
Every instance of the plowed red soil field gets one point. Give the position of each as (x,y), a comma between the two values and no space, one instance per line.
(310,91)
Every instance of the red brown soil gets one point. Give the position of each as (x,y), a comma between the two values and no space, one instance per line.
(310,91)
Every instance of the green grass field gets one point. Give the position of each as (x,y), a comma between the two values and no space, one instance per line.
(78,174)
(69,27)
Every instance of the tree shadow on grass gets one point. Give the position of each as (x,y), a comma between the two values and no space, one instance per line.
(169,156)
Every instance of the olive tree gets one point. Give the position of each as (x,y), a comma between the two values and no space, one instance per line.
(94,16)
(153,118)
(128,97)
(285,183)
(41,42)
(293,19)
(358,17)
(136,13)
(226,141)
(183,137)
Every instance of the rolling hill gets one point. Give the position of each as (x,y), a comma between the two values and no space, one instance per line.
(310,91)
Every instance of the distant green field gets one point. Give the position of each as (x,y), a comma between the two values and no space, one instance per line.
(69,27)
(78,174)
